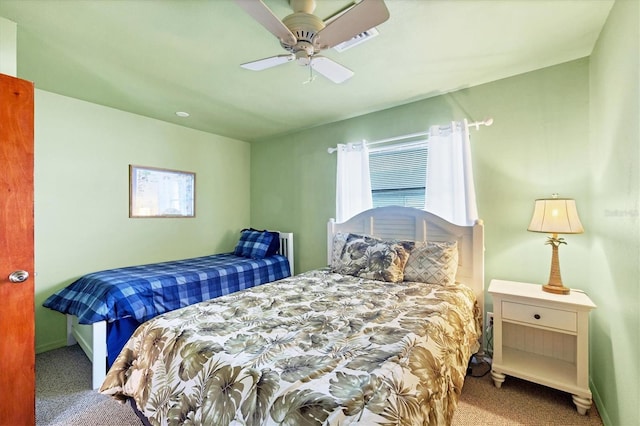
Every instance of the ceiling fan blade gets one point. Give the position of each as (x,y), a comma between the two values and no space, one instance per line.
(330,69)
(261,13)
(265,63)
(359,18)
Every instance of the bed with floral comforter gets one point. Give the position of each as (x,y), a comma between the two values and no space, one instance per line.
(318,348)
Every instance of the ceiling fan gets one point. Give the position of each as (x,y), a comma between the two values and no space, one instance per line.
(305,35)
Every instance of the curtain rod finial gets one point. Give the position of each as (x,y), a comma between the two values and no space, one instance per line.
(486,122)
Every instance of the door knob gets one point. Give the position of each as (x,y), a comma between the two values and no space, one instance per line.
(18,276)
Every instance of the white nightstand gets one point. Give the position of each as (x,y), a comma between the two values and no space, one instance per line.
(542,337)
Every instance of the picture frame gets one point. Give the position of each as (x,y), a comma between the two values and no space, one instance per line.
(157,192)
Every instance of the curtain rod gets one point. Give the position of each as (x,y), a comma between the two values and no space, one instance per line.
(476,124)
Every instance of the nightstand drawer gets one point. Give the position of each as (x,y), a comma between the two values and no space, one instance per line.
(536,315)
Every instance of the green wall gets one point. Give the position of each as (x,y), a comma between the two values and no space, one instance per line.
(82,155)
(533,149)
(570,129)
(614,258)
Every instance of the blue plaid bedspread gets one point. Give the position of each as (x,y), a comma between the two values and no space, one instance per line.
(145,291)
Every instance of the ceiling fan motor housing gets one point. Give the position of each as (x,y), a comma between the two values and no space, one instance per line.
(304,26)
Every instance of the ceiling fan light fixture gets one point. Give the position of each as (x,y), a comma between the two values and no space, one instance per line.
(302,57)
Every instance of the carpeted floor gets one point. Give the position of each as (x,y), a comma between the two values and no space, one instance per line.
(64,398)
(518,402)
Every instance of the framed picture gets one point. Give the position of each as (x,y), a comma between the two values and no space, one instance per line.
(155,192)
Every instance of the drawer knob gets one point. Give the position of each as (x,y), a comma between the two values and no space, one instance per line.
(537,316)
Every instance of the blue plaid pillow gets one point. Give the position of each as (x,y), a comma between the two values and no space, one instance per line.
(253,244)
(274,247)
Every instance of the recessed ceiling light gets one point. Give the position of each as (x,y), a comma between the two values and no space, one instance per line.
(182,114)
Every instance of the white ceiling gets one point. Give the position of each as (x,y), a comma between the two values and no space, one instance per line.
(154,58)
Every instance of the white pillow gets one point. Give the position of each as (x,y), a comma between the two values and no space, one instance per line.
(433,263)
(339,241)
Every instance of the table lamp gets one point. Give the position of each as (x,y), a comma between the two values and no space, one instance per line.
(555,216)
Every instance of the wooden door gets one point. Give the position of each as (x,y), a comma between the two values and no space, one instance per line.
(17,329)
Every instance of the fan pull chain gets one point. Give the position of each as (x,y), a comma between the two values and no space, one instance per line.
(311,76)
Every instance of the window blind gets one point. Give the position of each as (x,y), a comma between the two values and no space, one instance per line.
(398,177)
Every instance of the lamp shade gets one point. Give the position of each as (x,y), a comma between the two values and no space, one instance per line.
(556,216)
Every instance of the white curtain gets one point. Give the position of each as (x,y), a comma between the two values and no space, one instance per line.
(450,192)
(353,183)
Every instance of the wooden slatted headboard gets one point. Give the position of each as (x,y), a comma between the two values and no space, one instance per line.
(407,223)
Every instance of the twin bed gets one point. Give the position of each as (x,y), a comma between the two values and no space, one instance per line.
(104,308)
(381,336)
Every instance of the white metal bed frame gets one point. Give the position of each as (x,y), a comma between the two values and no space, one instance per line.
(92,338)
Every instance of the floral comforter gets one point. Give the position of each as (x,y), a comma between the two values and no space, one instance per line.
(316,349)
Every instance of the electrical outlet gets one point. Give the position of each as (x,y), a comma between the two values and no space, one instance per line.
(489,323)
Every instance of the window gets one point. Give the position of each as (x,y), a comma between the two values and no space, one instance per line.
(398,176)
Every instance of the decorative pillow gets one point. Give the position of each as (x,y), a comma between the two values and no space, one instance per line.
(433,263)
(274,247)
(339,241)
(253,244)
(368,257)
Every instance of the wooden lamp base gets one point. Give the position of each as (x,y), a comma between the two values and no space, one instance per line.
(556,289)
(555,280)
